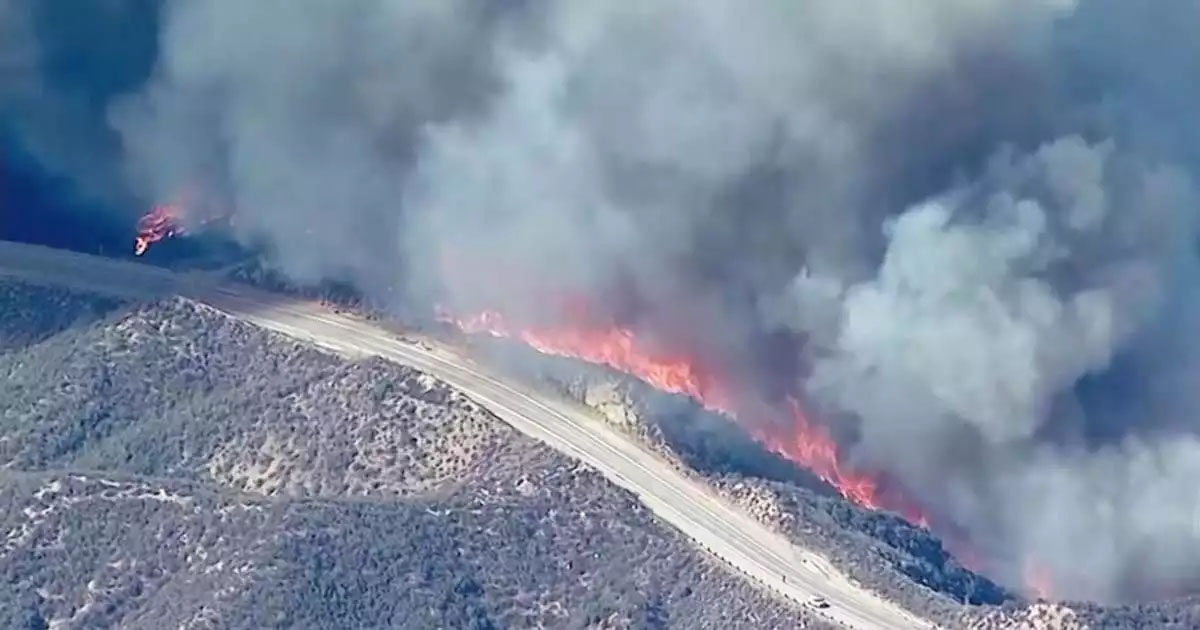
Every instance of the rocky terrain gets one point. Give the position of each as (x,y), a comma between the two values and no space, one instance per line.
(166,466)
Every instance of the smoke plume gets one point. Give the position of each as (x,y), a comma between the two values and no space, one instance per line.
(979,216)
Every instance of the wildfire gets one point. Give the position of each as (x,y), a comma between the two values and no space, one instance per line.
(798,439)
(1038,580)
(613,346)
(812,446)
(164,221)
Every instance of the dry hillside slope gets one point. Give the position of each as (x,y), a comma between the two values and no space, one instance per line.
(167,466)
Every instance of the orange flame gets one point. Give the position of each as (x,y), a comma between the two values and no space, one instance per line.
(613,346)
(164,221)
(799,440)
(812,446)
(1038,580)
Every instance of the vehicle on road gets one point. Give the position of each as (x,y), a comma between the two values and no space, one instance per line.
(818,602)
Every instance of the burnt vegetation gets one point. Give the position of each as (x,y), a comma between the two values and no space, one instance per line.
(166,466)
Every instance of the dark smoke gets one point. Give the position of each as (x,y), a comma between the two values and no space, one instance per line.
(61,66)
(979,215)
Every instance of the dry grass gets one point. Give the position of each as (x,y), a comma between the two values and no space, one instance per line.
(235,478)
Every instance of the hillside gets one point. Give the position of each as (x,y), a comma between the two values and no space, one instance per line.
(166,466)
(877,549)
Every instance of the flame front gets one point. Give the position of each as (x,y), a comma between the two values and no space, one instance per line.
(1038,580)
(164,221)
(798,438)
(614,346)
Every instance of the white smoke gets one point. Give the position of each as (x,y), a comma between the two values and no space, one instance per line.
(978,213)
(697,148)
(991,303)
(965,305)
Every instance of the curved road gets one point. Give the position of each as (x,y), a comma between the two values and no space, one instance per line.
(688,505)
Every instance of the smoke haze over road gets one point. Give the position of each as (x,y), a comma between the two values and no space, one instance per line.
(979,217)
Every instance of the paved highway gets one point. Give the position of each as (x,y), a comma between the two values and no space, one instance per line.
(689,505)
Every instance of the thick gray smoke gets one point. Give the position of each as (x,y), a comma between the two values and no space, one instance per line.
(980,215)
(61,64)
(992,302)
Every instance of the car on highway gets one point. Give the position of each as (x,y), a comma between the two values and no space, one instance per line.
(818,602)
